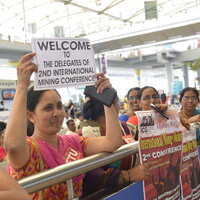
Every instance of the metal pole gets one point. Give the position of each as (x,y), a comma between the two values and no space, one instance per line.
(64,172)
(24,15)
(70,189)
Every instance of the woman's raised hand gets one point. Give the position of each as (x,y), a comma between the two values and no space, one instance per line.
(162,107)
(193,119)
(25,68)
(184,121)
(102,82)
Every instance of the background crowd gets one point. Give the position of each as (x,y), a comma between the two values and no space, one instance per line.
(42,133)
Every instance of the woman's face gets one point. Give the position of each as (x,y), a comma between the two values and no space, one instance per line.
(149,96)
(189,100)
(49,113)
(133,100)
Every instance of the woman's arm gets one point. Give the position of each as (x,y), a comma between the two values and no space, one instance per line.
(10,189)
(138,173)
(15,135)
(184,121)
(113,139)
(193,119)
(99,178)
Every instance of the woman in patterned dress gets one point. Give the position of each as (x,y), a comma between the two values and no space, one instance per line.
(45,149)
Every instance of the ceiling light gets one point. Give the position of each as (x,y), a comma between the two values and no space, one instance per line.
(98,2)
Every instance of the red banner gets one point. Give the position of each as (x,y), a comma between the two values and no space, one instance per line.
(190,167)
(160,149)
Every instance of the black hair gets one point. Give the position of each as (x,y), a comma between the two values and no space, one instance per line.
(2,127)
(65,108)
(144,88)
(92,109)
(188,89)
(68,121)
(132,89)
(79,114)
(33,98)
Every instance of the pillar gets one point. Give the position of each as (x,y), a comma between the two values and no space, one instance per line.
(198,77)
(169,68)
(185,76)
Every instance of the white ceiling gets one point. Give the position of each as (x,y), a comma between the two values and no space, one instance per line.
(94,18)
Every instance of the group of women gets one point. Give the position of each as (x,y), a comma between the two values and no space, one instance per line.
(189,111)
(43,111)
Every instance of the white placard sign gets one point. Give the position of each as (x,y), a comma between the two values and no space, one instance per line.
(63,62)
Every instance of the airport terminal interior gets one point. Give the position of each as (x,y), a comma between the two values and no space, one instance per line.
(143,42)
(135,43)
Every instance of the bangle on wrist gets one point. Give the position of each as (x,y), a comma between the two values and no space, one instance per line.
(123,178)
(129,178)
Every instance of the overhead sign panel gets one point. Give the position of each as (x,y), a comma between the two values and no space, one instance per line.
(150,10)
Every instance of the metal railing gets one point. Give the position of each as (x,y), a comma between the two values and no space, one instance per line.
(67,171)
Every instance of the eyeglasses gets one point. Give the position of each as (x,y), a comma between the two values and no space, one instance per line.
(146,98)
(187,98)
(133,98)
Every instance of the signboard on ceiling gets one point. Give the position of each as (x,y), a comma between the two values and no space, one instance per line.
(150,10)
(7,84)
(5,64)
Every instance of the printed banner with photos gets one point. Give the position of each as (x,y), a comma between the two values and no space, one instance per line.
(190,167)
(160,146)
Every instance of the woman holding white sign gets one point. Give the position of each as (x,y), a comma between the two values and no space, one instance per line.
(189,99)
(45,149)
(194,119)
